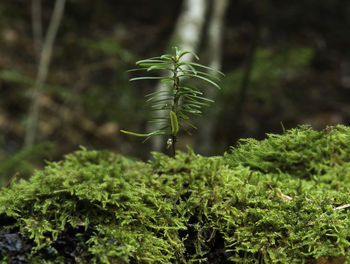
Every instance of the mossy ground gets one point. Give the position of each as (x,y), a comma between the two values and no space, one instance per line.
(280,200)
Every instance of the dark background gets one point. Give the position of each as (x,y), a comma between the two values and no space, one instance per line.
(300,74)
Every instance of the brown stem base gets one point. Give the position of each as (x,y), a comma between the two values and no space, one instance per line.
(173,145)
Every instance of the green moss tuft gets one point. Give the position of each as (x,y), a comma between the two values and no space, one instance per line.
(270,201)
(302,152)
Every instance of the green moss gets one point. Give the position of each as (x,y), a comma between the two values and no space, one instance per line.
(270,201)
(300,152)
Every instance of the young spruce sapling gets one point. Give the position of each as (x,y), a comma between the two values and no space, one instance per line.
(179,101)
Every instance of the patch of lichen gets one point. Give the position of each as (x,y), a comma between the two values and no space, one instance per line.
(270,201)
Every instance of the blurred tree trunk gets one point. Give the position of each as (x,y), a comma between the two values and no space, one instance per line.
(37,28)
(186,36)
(214,48)
(45,50)
(235,119)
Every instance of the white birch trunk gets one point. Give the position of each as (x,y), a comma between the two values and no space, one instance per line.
(214,47)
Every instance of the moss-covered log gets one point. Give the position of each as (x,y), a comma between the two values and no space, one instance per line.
(284,199)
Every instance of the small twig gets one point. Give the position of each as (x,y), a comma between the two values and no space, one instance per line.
(269,185)
(13,178)
(343,206)
(284,197)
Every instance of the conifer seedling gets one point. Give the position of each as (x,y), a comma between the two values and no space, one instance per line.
(179,101)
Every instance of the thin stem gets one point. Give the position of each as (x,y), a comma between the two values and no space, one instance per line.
(173,147)
(175,101)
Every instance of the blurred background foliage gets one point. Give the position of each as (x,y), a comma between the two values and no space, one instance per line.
(285,61)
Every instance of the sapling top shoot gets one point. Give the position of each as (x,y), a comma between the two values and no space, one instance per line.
(179,101)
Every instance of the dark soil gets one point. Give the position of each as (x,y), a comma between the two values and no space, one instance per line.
(70,245)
